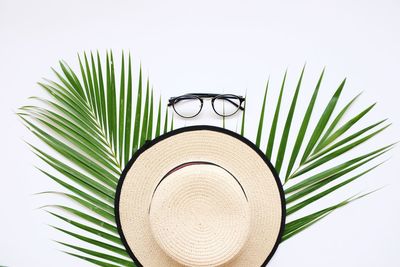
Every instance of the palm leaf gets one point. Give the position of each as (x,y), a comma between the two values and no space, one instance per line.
(243,117)
(166,121)
(328,191)
(158,124)
(128,115)
(95,126)
(272,132)
(336,122)
(122,112)
(88,122)
(333,170)
(337,153)
(113,259)
(322,122)
(261,121)
(325,145)
(135,143)
(91,260)
(296,226)
(286,129)
(345,140)
(143,134)
(303,128)
(323,182)
(150,122)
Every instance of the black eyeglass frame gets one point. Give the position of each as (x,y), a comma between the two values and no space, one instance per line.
(200,96)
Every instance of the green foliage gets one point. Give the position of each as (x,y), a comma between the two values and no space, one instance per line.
(95,123)
(317,173)
(94,126)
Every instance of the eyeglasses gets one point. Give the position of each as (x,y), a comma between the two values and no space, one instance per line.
(190,105)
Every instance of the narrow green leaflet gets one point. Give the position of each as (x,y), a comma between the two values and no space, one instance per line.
(138,113)
(303,128)
(329,139)
(112,248)
(172,123)
(103,256)
(122,111)
(299,225)
(332,189)
(288,124)
(150,122)
(272,132)
(243,116)
(143,134)
(96,88)
(166,121)
(102,234)
(322,122)
(128,116)
(158,124)
(102,93)
(97,205)
(331,171)
(261,121)
(91,260)
(309,190)
(337,153)
(345,140)
(335,122)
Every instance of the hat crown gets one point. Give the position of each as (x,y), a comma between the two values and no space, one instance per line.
(199,215)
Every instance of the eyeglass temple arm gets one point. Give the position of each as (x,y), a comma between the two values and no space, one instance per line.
(235,104)
(188,96)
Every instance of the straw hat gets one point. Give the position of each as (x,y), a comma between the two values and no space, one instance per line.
(200,196)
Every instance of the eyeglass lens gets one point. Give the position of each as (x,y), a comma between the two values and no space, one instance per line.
(188,106)
(226,105)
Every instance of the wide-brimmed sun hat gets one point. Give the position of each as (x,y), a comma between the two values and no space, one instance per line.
(200,196)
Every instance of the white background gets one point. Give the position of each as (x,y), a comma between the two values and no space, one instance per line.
(210,46)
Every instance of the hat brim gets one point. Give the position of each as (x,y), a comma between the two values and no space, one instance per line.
(209,144)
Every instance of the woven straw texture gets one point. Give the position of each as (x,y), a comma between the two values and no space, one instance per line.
(202,214)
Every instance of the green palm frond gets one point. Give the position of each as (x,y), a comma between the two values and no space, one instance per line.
(97,119)
(92,123)
(308,177)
